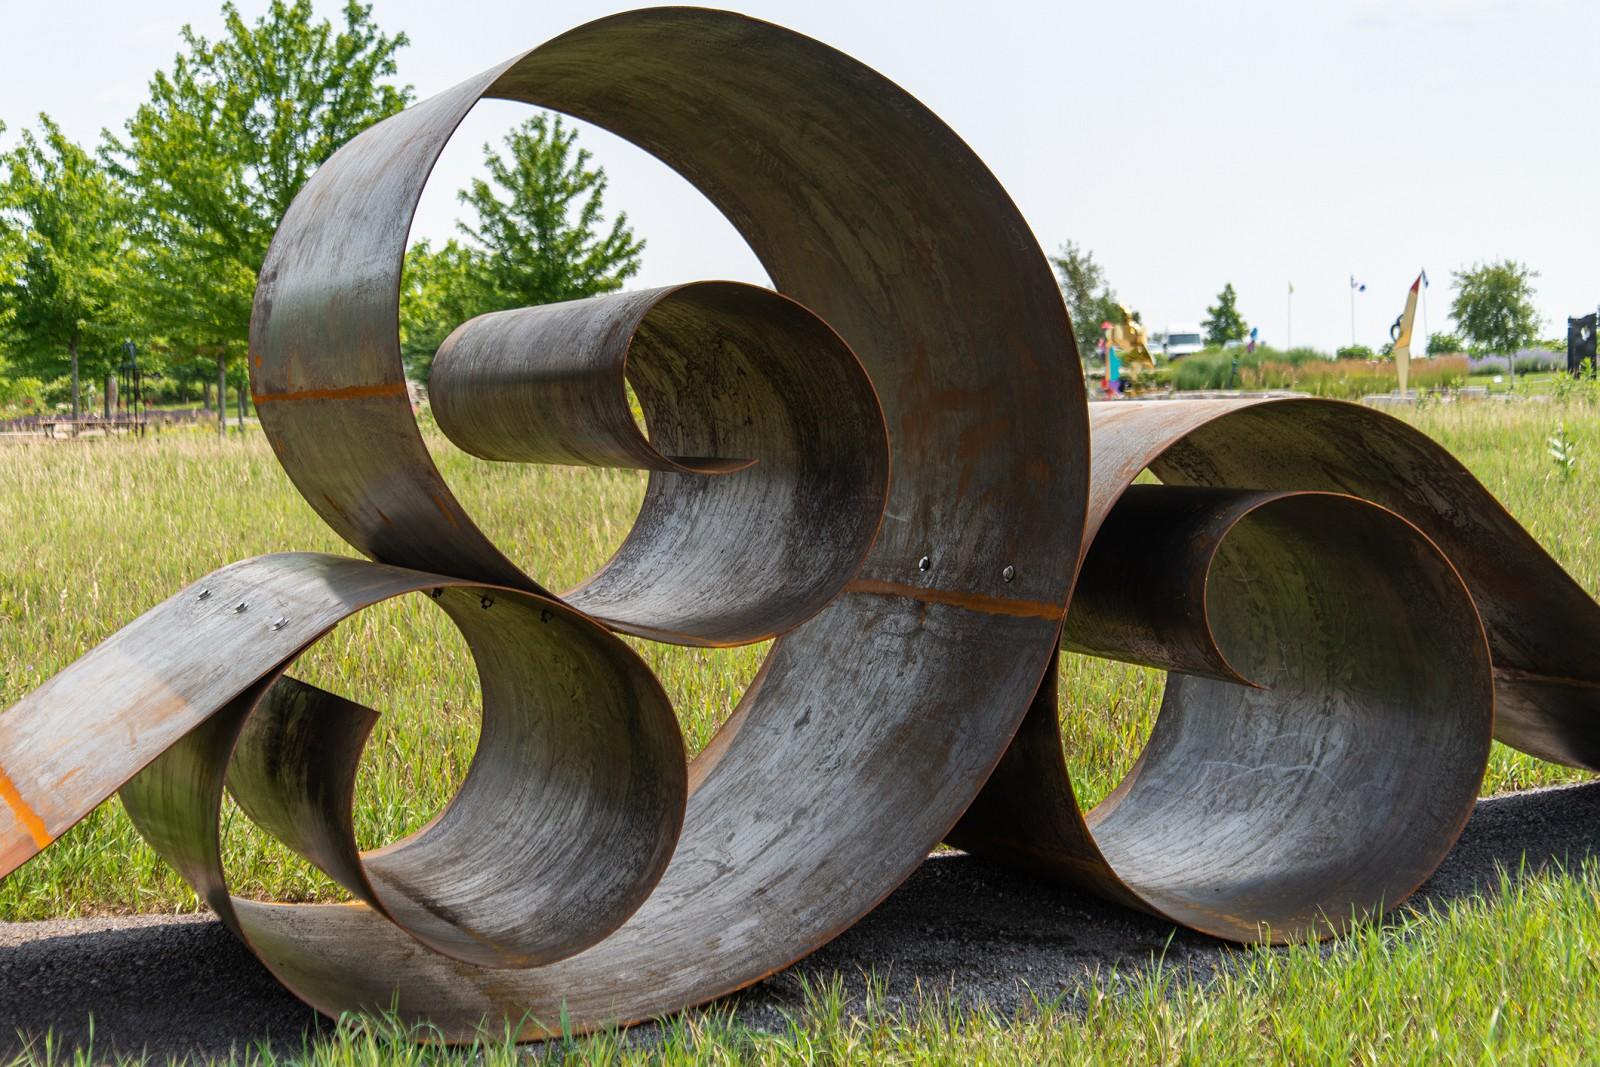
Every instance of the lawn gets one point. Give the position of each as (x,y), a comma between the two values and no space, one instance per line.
(96,531)
(1530,384)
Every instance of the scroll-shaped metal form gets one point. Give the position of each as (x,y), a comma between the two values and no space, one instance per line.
(1268,801)
(1339,602)
(757,411)
(564,822)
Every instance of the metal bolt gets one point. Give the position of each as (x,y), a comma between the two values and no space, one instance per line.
(924,564)
(281,623)
(240,608)
(205,594)
(486,603)
(1009,573)
(436,593)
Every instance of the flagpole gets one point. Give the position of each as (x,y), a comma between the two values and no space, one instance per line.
(1352,311)
(1426,337)
(1288,320)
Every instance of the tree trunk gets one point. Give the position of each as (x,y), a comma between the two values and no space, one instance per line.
(72,350)
(222,395)
(111,395)
(241,408)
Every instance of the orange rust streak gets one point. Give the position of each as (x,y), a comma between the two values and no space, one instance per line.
(352,392)
(444,509)
(979,602)
(25,814)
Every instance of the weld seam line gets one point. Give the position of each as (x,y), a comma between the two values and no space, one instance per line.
(979,602)
(353,392)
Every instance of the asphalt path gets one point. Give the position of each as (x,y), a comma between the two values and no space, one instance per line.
(181,986)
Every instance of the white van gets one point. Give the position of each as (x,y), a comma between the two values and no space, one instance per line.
(1175,342)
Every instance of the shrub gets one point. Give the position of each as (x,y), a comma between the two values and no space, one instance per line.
(21,396)
(1213,368)
(1347,379)
(1201,371)
(1529,361)
(1445,344)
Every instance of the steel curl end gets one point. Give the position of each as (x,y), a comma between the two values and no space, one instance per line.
(756,411)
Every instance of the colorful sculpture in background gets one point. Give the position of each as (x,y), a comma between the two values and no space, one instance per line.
(1400,334)
(1126,353)
(884,465)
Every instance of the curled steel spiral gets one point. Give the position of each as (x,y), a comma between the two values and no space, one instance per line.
(1347,616)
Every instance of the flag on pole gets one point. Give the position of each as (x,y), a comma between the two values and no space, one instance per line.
(1424,277)
(1359,287)
(1400,334)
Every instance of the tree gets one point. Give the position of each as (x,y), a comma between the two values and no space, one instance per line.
(11,255)
(1444,344)
(439,290)
(547,241)
(1090,300)
(227,139)
(1223,323)
(1494,309)
(63,237)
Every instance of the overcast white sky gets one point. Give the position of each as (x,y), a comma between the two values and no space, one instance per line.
(1187,144)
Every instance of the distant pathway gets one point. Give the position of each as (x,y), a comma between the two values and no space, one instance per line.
(174,985)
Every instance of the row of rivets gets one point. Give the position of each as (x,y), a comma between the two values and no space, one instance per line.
(925,564)
(241,607)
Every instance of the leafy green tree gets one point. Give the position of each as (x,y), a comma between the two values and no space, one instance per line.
(1090,300)
(1494,308)
(541,238)
(1445,344)
(440,289)
(11,250)
(64,242)
(547,241)
(226,140)
(1223,323)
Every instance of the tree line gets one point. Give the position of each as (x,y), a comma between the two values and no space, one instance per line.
(1492,308)
(155,235)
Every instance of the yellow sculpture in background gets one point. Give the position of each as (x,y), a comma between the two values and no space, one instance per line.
(1400,334)
(1128,337)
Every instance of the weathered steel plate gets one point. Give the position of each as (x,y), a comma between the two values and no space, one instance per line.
(886,466)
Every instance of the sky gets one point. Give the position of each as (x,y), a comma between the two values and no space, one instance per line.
(1259,142)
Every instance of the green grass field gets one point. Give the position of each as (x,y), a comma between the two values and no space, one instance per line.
(94,532)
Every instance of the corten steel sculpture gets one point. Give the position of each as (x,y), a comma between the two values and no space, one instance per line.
(1346,613)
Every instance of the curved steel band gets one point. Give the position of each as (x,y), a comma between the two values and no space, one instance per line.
(1339,602)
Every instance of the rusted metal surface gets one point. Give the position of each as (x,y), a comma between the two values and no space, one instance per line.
(1338,602)
(563,824)
(1541,625)
(935,605)
(1323,745)
(757,411)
